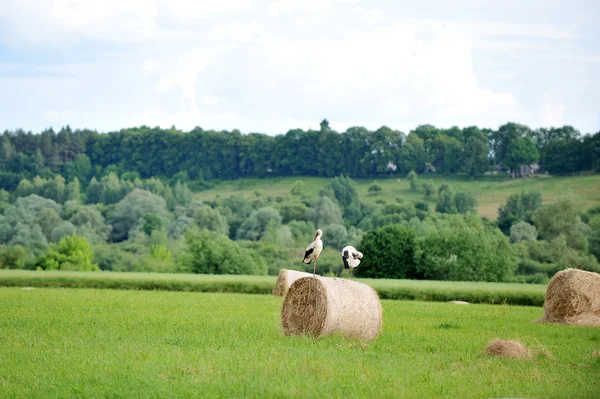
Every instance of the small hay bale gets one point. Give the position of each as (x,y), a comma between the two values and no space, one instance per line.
(459,302)
(285,279)
(323,306)
(506,348)
(573,297)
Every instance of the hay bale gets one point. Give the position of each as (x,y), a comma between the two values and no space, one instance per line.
(459,302)
(573,297)
(323,306)
(285,279)
(507,348)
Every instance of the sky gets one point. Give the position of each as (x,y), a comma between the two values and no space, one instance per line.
(271,66)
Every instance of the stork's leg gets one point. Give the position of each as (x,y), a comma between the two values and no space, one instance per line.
(315,267)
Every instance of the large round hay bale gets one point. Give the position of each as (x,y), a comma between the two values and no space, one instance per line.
(285,279)
(507,348)
(323,305)
(573,297)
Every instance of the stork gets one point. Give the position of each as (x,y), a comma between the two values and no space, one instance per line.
(314,250)
(351,258)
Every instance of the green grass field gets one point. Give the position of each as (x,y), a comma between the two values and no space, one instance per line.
(424,290)
(491,192)
(130,344)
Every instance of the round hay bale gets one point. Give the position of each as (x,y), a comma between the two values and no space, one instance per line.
(285,279)
(459,302)
(573,297)
(323,306)
(507,348)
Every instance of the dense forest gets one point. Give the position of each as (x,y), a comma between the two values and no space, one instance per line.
(124,201)
(357,152)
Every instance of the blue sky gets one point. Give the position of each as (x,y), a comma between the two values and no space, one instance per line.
(269,66)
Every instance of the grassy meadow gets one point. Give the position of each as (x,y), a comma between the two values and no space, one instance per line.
(116,343)
(423,290)
(491,191)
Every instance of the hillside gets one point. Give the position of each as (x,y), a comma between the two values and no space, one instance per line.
(491,191)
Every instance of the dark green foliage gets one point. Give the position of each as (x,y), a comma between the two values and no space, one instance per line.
(522,231)
(389,253)
(465,202)
(412,178)
(199,156)
(255,226)
(519,207)
(294,211)
(520,151)
(428,190)
(325,211)
(213,253)
(152,222)
(375,189)
(346,195)
(445,203)
(71,253)
(13,257)
(130,211)
(466,249)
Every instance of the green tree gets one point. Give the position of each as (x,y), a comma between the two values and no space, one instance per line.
(445,203)
(374,189)
(520,151)
(298,187)
(335,236)
(428,190)
(326,212)
(412,178)
(465,249)
(475,160)
(207,218)
(518,207)
(129,212)
(522,231)
(255,226)
(213,253)
(71,253)
(558,218)
(388,252)
(13,257)
(465,202)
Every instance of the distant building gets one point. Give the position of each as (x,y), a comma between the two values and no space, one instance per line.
(527,170)
(429,168)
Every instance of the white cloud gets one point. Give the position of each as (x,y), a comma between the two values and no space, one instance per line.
(247,64)
(151,64)
(552,111)
(186,9)
(58,117)
(184,72)
(209,100)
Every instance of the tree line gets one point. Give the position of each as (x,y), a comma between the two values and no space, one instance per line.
(205,155)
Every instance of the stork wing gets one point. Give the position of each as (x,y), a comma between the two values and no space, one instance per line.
(308,252)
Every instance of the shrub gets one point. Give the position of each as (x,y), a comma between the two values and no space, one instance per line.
(412,178)
(72,253)
(213,253)
(522,231)
(388,252)
(467,250)
(375,189)
(13,257)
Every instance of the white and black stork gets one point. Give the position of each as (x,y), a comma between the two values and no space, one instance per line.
(314,250)
(351,257)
